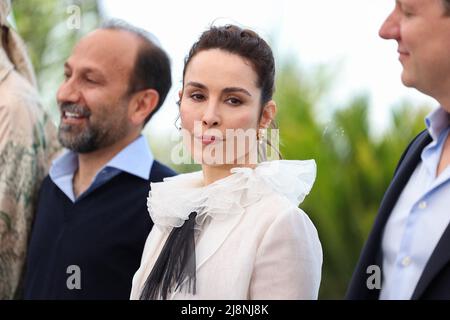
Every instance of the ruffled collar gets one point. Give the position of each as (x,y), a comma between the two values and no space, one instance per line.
(170,202)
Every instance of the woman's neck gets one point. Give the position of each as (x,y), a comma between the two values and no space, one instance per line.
(213,173)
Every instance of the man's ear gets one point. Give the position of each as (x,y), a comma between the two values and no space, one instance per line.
(268,114)
(143,104)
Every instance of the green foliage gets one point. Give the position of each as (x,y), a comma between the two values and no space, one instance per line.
(354,169)
(49,36)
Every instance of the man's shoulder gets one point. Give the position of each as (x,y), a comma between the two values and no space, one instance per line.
(47,182)
(160,171)
(47,189)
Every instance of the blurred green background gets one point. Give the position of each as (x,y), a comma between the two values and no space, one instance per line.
(355,161)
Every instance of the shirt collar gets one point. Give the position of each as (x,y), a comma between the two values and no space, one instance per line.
(65,164)
(136,159)
(437,121)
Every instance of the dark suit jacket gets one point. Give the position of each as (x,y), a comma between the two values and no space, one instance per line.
(434,282)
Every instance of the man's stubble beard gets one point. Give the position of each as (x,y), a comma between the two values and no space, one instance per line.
(92,136)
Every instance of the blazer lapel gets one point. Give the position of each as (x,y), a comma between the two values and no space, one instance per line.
(439,258)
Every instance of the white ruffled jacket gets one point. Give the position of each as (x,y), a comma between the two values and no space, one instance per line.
(254,243)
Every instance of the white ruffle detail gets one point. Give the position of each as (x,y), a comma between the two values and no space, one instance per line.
(291,178)
(170,202)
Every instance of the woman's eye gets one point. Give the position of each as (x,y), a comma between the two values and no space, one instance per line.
(234,101)
(197,96)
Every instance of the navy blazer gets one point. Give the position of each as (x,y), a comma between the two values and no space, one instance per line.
(434,283)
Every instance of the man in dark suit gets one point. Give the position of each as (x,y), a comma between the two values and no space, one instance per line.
(92,220)
(407,254)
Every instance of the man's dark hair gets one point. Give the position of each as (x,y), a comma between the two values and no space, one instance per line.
(152,66)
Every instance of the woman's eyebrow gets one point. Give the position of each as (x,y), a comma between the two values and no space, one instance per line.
(196,84)
(236,89)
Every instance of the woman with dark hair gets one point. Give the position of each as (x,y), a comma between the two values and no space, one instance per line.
(232,230)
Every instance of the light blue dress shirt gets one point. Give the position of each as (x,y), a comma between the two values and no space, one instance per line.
(419,218)
(136,159)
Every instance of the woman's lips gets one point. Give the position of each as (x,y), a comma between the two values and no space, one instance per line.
(206,140)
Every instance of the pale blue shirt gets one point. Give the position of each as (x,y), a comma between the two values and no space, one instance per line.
(419,218)
(136,159)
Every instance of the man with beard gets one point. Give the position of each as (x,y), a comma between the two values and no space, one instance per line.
(92,219)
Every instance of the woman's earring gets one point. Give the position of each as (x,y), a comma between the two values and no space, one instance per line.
(178,123)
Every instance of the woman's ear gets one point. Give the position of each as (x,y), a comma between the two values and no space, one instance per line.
(143,105)
(268,114)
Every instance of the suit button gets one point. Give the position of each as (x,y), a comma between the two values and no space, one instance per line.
(406,261)
(422,204)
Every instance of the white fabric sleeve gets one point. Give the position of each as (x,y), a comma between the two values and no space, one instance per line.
(289,259)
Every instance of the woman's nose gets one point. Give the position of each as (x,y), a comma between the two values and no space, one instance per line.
(211,116)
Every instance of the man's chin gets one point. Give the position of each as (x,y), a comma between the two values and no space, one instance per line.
(79,148)
(407,80)
(74,129)
(76,142)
